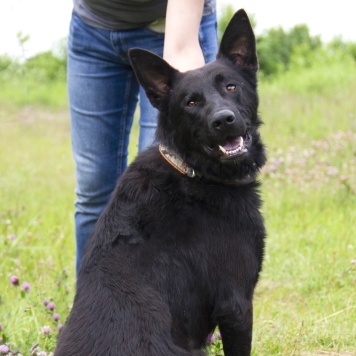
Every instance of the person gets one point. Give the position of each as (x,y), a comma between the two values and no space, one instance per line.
(103,91)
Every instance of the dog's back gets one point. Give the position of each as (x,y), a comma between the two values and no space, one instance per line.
(179,248)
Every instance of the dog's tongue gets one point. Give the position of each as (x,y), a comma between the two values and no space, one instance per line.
(233,145)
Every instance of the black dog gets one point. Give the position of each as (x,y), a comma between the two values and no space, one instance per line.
(179,248)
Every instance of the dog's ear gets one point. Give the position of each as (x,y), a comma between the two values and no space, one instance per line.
(238,43)
(153,73)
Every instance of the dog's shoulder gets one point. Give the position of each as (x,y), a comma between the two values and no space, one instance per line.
(147,178)
(142,191)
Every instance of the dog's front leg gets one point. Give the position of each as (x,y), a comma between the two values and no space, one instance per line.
(235,324)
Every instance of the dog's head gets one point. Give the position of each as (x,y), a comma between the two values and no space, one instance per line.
(209,115)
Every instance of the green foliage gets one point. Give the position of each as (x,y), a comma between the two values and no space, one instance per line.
(5,63)
(46,67)
(328,72)
(348,48)
(22,38)
(281,51)
(352,49)
(283,56)
(40,80)
(277,48)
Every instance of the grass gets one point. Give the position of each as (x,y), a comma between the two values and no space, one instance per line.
(305,303)
(36,207)
(22,86)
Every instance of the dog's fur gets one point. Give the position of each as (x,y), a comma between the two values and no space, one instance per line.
(174,256)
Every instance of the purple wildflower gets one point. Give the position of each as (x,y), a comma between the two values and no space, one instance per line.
(1,327)
(211,339)
(26,286)
(4,349)
(42,353)
(14,280)
(45,302)
(56,317)
(218,334)
(60,327)
(46,330)
(12,236)
(51,306)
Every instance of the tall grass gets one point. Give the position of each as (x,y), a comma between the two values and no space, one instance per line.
(305,303)
(306,299)
(21,87)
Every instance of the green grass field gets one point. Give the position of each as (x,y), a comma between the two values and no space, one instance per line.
(305,303)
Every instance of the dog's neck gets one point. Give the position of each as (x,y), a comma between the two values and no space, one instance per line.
(177,162)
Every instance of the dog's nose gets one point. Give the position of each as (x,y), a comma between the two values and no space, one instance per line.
(221,120)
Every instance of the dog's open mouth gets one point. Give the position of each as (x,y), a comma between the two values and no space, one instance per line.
(233,147)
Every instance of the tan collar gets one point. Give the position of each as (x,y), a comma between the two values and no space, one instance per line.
(177,162)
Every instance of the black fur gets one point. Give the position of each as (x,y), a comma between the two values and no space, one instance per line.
(172,257)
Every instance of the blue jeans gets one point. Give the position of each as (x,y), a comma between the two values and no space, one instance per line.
(103,94)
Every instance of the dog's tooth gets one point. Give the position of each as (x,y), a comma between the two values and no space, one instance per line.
(241,141)
(222,149)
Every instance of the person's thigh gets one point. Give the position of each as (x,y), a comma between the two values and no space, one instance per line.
(102,99)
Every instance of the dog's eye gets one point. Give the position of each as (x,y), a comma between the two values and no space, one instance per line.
(231,87)
(191,104)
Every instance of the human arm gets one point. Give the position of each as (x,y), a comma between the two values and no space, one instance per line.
(181,44)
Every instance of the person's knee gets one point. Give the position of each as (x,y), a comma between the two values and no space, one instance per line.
(94,187)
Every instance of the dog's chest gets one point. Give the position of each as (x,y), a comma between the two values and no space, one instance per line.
(205,210)
(204,224)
